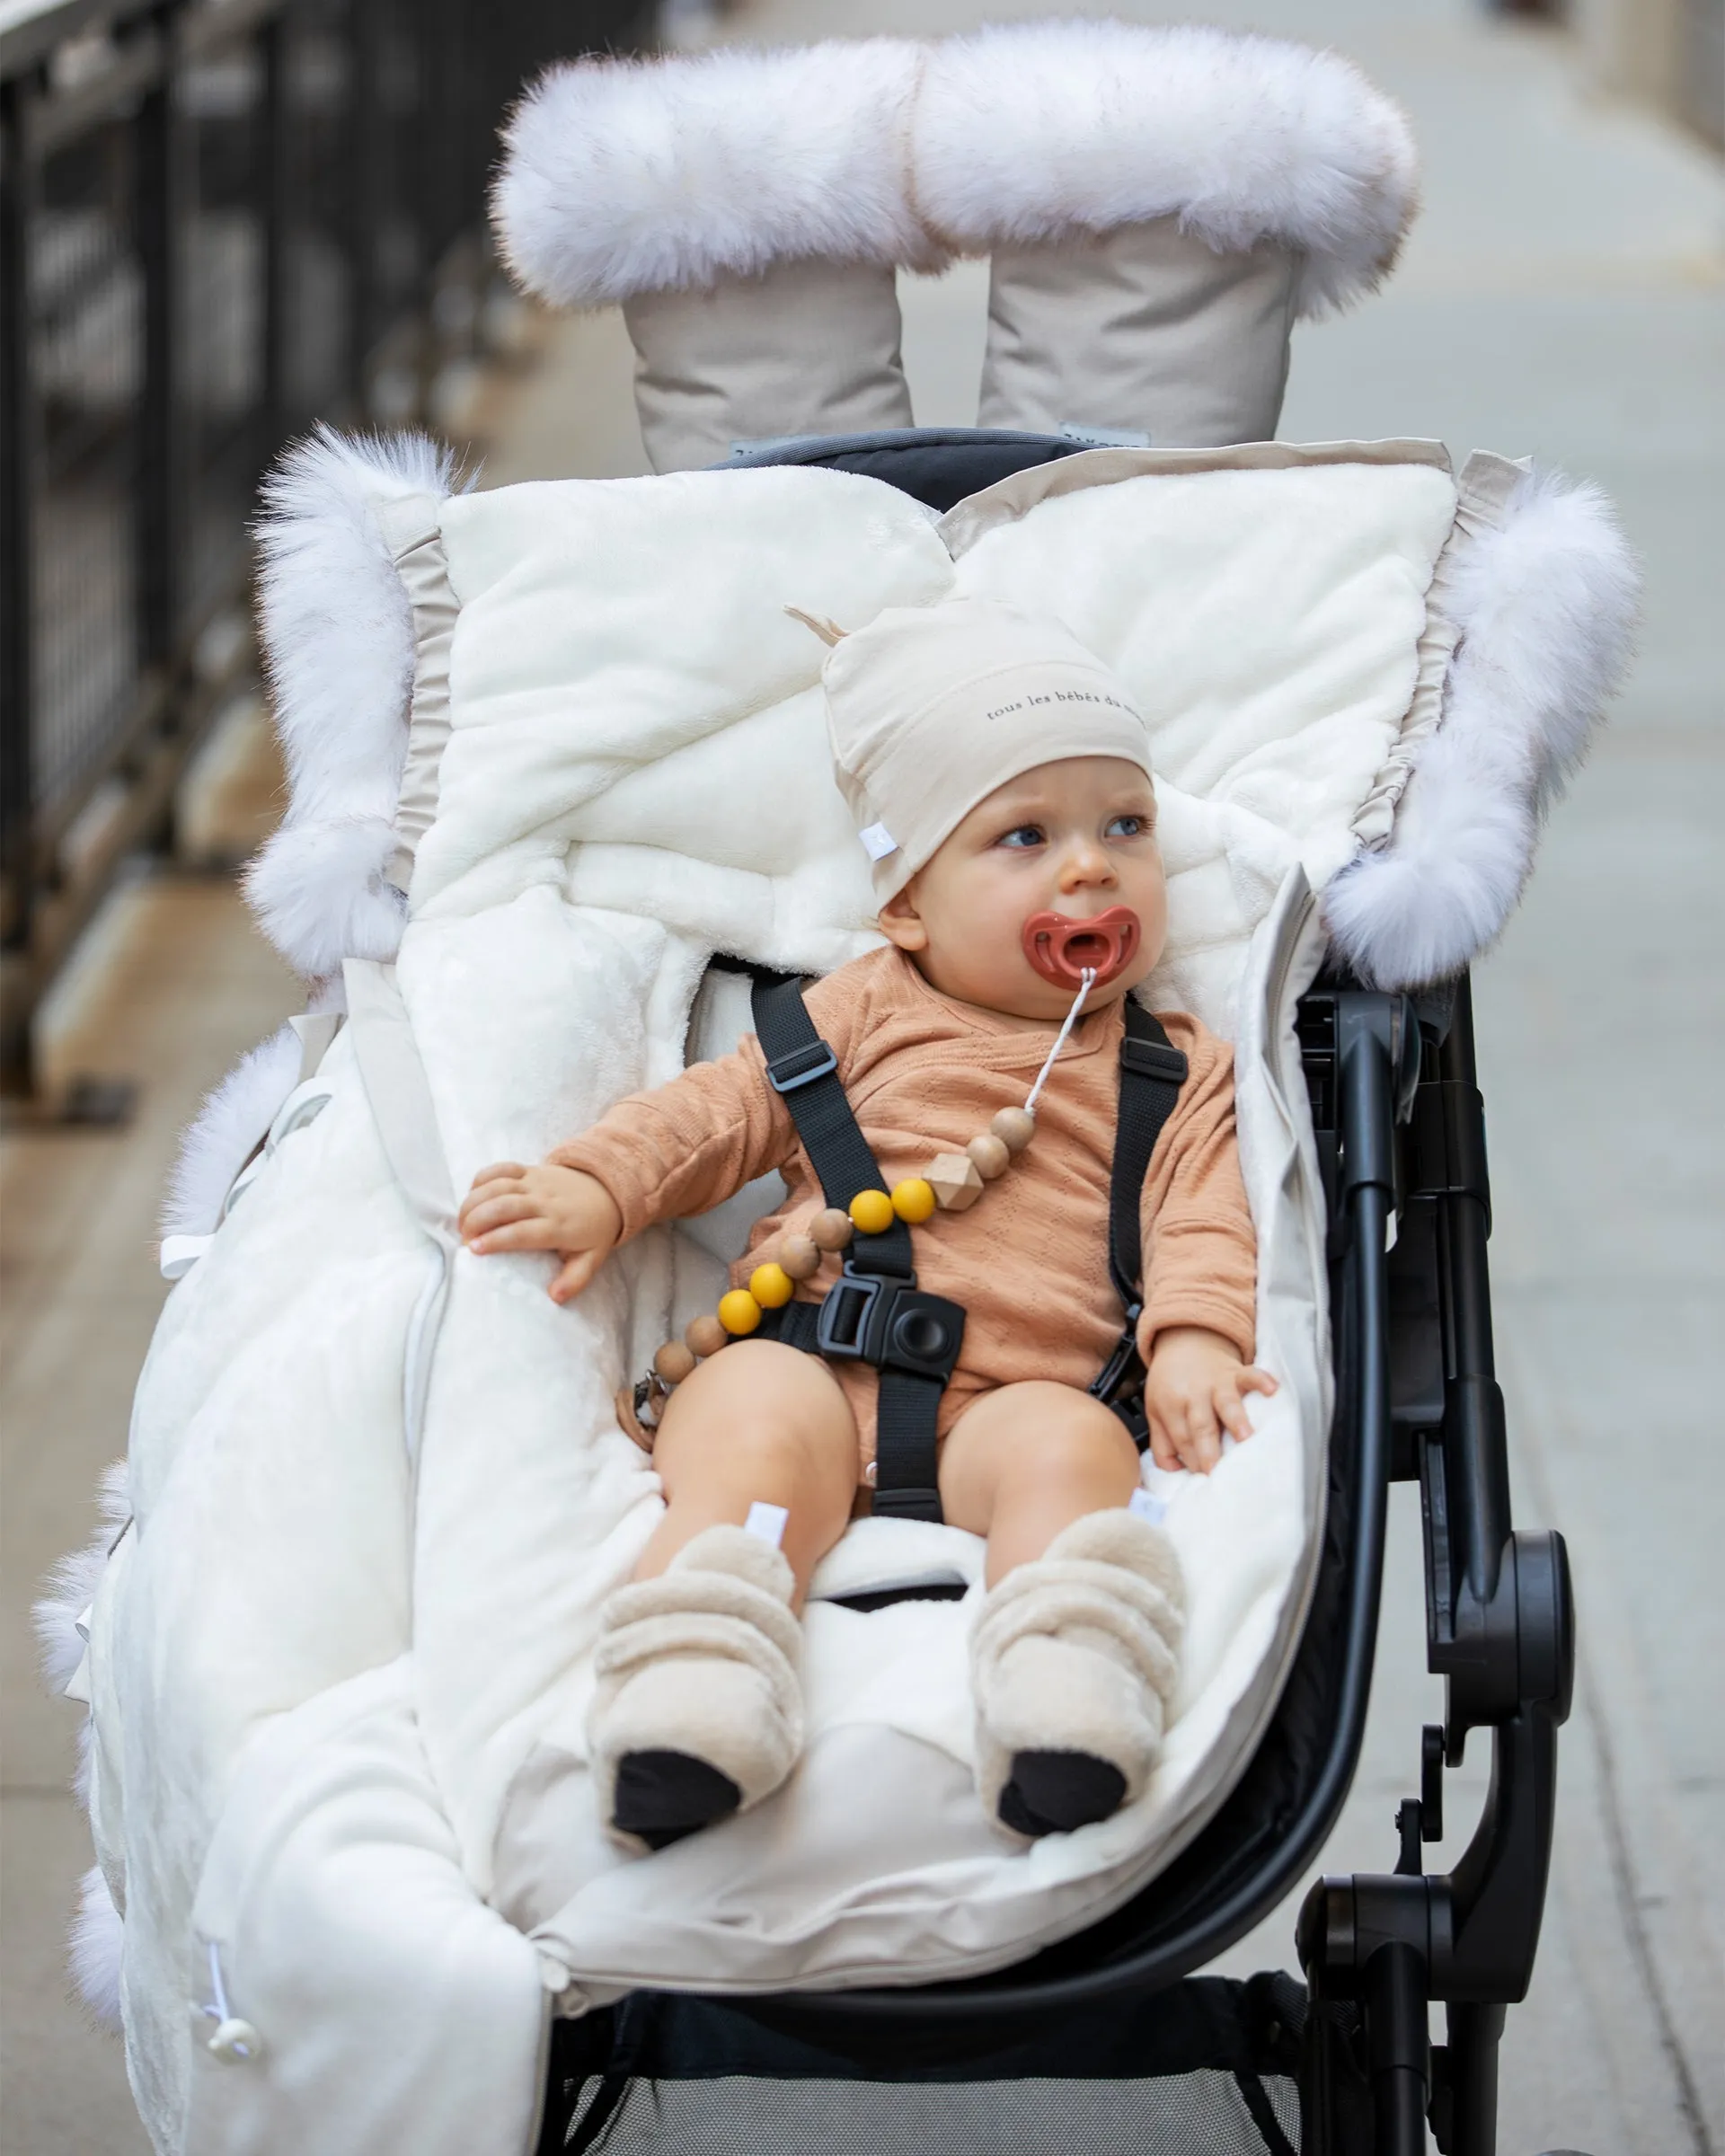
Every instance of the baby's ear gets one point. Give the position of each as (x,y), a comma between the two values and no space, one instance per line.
(899,922)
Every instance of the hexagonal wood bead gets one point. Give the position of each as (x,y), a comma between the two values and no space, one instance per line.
(990,1154)
(954,1181)
(1013,1126)
(705,1335)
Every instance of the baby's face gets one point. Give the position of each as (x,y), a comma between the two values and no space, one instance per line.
(1072,838)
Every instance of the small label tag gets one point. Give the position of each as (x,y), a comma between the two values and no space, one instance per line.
(1105,438)
(1147,1506)
(768,1522)
(878,841)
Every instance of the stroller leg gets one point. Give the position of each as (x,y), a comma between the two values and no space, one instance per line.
(1473,2036)
(1395,1999)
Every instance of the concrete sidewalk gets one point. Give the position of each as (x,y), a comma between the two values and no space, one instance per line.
(1564,295)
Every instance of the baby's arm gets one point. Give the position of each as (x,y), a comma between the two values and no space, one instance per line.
(1200,1274)
(661,1155)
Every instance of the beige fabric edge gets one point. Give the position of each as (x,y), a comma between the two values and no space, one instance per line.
(413,530)
(1482,490)
(1009,499)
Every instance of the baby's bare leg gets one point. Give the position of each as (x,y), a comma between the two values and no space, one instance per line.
(1027,1461)
(757,1424)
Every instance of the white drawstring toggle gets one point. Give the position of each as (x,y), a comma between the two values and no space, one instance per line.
(1085,985)
(235,2041)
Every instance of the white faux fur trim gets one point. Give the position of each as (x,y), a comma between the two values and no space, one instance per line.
(1047,130)
(71,1586)
(338,636)
(628,176)
(1546,608)
(94,1949)
(222,1138)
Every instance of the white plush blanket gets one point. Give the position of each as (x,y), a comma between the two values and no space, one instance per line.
(338,1669)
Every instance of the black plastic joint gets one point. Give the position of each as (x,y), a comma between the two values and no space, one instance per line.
(1448,1144)
(1150,1059)
(802,1066)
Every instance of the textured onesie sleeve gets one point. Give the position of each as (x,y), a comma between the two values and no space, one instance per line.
(1199,1249)
(687,1146)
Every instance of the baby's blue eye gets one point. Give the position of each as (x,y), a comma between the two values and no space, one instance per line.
(1023,834)
(1127,826)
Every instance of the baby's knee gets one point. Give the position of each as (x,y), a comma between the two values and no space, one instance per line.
(1063,1436)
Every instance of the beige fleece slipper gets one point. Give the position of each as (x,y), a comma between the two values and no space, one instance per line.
(698,1709)
(1074,1660)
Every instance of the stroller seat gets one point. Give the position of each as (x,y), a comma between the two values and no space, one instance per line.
(555,748)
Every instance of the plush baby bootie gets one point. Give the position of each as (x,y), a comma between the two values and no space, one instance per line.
(1073,1662)
(698,1711)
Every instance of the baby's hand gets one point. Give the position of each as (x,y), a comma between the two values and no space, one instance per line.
(1195,1389)
(514,1209)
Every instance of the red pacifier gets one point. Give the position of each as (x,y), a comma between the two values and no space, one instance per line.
(1063,950)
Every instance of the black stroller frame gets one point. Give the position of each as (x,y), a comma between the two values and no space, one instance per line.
(1399,1129)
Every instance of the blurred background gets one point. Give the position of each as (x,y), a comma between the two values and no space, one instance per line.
(224,220)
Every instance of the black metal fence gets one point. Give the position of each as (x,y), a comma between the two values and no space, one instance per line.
(219,221)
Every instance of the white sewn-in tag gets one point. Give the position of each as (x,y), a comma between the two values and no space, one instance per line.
(878,841)
(1147,1506)
(768,1522)
(180,1253)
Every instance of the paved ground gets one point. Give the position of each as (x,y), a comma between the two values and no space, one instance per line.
(1563,297)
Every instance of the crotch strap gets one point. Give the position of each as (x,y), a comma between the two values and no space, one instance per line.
(874,1312)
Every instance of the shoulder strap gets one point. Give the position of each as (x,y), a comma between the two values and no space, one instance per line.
(1152,1072)
(802,1068)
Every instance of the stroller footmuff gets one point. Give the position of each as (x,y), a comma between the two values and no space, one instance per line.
(367,1683)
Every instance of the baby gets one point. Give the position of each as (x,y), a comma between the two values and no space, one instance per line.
(1000,780)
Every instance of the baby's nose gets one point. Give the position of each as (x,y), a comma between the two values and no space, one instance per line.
(1083,865)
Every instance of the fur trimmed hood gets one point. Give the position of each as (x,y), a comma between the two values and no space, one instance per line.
(622,176)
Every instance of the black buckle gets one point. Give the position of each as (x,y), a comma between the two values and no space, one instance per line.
(802,1067)
(1150,1059)
(1119,1383)
(867,1317)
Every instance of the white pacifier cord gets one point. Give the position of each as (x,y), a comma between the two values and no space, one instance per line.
(1085,985)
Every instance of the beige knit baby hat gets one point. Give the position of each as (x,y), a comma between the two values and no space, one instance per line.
(930,709)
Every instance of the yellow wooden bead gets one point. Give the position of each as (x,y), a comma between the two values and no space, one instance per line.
(1013,1126)
(772,1287)
(738,1313)
(990,1154)
(913,1199)
(674,1362)
(705,1335)
(831,1230)
(800,1256)
(871,1210)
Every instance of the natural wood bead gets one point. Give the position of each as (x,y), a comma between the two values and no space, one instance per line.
(674,1362)
(705,1335)
(872,1212)
(738,1311)
(914,1199)
(831,1230)
(771,1286)
(991,1155)
(800,1256)
(1013,1126)
(954,1179)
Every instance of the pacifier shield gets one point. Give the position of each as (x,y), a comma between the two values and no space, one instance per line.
(1063,950)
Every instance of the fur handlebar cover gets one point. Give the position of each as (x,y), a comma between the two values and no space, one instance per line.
(623,177)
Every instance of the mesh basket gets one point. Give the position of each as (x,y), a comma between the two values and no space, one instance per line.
(1207,2065)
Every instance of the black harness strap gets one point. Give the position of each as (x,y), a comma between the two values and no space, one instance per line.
(875,1312)
(1152,1072)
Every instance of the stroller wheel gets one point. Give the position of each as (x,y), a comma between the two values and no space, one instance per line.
(1054,1792)
(663,1796)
